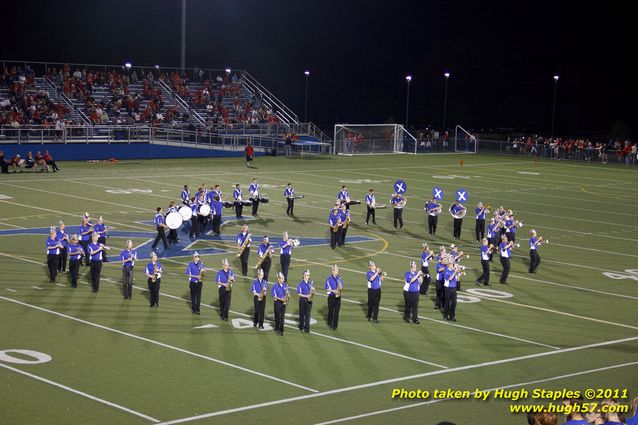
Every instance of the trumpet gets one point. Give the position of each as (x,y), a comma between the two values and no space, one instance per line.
(295,243)
(244,245)
(263,258)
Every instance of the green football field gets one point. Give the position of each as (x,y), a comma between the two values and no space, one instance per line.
(99,359)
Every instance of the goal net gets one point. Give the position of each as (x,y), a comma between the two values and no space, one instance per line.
(357,139)
(464,141)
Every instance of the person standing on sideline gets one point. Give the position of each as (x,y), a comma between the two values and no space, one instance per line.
(128,257)
(154,278)
(259,289)
(375,278)
(195,272)
(334,286)
(53,246)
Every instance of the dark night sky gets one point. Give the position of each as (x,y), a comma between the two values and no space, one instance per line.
(502,55)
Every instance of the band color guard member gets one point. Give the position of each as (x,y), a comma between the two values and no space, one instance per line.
(280,296)
(284,254)
(345,222)
(411,290)
(63,238)
(217,207)
(153,273)
(53,253)
(259,289)
(305,290)
(103,232)
(225,280)
(432,208)
(185,195)
(375,278)
(253,189)
(440,268)
(505,248)
(334,220)
(244,241)
(96,253)
(195,272)
(426,257)
(455,209)
(371,204)
(238,200)
(344,197)
(451,278)
(85,231)
(161,233)
(480,221)
(534,258)
(398,202)
(267,250)
(128,257)
(486,255)
(289,193)
(334,287)
(75,258)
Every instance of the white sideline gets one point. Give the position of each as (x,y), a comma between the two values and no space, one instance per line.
(161,344)
(394,380)
(520,384)
(81,393)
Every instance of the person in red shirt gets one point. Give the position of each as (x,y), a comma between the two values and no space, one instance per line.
(250,153)
(48,159)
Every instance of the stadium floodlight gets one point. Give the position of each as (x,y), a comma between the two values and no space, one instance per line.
(306,73)
(128,65)
(446,75)
(157,67)
(227,70)
(556,77)
(305,103)
(408,78)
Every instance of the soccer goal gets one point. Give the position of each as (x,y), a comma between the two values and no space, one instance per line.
(359,139)
(464,141)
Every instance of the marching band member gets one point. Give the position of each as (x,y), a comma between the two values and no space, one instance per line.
(75,258)
(103,233)
(505,248)
(185,195)
(238,201)
(96,252)
(243,248)
(480,221)
(343,197)
(426,257)
(289,193)
(217,207)
(195,272)
(161,234)
(345,222)
(128,257)
(457,208)
(335,224)
(172,233)
(279,294)
(432,207)
(254,195)
(534,258)
(63,238)
(452,273)
(492,236)
(334,286)
(440,269)
(375,278)
(208,194)
(217,191)
(194,231)
(154,278)
(398,202)
(411,289)
(53,246)
(486,255)
(510,228)
(304,290)
(85,237)
(200,199)
(225,279)
(371,203)
(259,289)
(284,254)
(266,248)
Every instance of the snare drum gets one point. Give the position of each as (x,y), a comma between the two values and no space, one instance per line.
(186,212)
(204,210)
(174,220)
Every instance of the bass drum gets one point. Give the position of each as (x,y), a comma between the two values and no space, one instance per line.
(174,220)
(204,210)
(185,212)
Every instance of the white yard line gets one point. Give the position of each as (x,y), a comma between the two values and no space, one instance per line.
(400,379)
(161,344)
(80,393)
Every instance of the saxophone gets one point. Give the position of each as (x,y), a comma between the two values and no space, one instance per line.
(313,291)
(154,278)
(339,290)
(202,272)
(229,285)
(244,245)
(262,294)
(287,297)
(266,255)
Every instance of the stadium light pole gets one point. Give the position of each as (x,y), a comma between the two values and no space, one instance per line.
(305,105)
(408,78)
(556,77)
(183,38)
(447,77)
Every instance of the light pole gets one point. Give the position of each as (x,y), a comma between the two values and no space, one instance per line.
(556,77)
(305,103)
(447,77)
(408,78)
